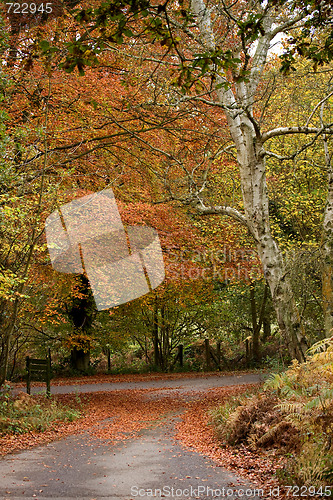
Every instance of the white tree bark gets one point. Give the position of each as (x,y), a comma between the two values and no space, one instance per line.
(237,101)
(327,245)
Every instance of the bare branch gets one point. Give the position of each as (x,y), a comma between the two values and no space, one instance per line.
(296,130)
(317,106)
(223,210)
(287,25)
(295,153)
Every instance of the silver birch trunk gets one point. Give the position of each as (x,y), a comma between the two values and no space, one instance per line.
(327,248)
(237,102)
(327,243)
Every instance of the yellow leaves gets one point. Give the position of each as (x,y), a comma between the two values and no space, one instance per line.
(80,341)
(322,355)
(9,282)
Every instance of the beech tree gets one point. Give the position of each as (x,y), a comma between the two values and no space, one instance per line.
(214,54)
(218,52)
(237,92)
(298,201)
(229,42)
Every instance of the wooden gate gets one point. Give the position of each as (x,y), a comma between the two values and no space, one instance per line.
(39,369)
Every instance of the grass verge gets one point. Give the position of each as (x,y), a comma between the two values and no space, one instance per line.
(25,413)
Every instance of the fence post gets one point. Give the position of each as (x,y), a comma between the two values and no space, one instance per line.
(207,354)
(108,352)
(48,375)
(248,345)
(181,355)
(218,353)
(27,362)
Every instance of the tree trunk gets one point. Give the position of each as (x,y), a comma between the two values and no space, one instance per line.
(255,326)
(207,355)
(327,245)
(82,313)
(155,336)
(275,273)
(180,355)
(255,198)
(80,359)
(266,328)
(257,322)
(237,98)
(109,359)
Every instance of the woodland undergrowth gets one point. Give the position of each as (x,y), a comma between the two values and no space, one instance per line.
(292,415)
(24,413)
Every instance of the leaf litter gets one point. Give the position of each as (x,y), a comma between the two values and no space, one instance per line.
(120,415)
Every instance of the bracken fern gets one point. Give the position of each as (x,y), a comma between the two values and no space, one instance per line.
(295,410)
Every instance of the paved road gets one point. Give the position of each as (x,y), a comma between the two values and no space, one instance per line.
(183,384)
(153,465)
(87,468)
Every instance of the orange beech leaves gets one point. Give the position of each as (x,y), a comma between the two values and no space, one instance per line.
(111,127)
(121,125)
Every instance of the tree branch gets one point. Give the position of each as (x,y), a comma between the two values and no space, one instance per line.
(223,210)
(296,130)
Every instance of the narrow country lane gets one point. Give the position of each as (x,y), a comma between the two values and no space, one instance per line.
(147,463)
(184,384)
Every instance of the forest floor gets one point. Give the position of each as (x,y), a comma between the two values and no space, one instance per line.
(132,441)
